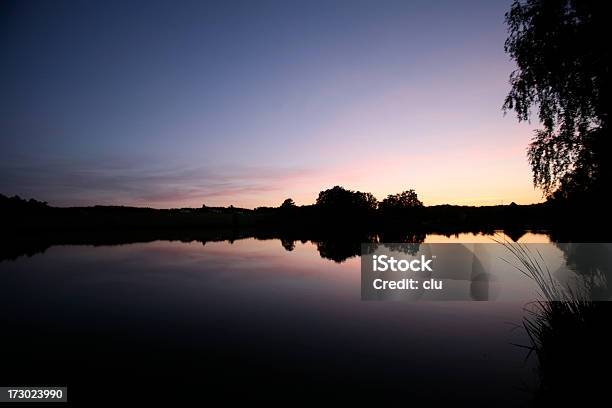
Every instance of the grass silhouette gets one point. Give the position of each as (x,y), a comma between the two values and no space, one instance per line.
(568,334)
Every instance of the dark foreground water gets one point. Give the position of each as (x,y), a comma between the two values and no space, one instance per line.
(247,321)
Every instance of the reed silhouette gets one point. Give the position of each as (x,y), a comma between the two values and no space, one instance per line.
(568,332)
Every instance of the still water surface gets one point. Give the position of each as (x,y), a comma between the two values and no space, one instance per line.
(248,320)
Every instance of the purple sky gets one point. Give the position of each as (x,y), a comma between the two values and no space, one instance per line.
(171,104)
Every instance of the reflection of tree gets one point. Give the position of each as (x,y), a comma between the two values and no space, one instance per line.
(406,242)
(338,251)
(288,244)
(593,263)
(341,248)
(514,233)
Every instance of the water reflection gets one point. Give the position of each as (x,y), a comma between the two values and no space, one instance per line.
(336,247)
(592,262)
(248,316)
(227,311)
(470,271)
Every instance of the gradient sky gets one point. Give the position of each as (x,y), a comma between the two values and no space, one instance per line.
(180,103)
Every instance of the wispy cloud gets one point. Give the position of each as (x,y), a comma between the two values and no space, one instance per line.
(63,182)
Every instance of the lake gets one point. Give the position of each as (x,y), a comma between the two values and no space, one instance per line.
(249,320)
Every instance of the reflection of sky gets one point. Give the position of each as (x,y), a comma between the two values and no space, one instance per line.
(472,238)
(268,298)
(167,104)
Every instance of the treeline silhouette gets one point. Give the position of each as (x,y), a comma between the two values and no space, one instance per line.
(334,208)
(338,223)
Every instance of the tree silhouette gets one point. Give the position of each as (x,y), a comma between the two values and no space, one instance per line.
(342,200)
(401,201)
(563,71)
(288,203)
